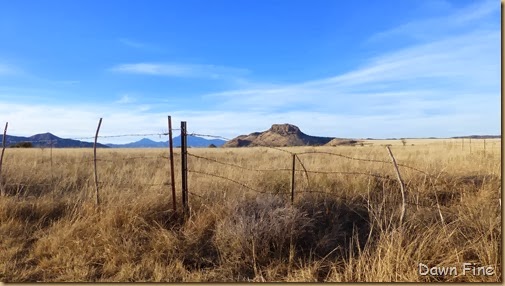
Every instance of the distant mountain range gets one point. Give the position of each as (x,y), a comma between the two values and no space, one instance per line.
(193,141)
(278,135)
(48,139)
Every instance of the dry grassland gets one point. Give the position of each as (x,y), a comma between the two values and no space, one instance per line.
(341,227)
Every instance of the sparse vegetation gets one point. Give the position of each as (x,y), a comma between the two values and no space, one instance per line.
(340,228)
(22,145)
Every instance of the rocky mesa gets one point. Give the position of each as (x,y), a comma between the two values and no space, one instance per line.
(279,135)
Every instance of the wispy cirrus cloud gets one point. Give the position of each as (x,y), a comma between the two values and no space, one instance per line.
(474,16)
(180,70)
(445,84)
(6,69)
(447,75)
(140,45)
(125,99)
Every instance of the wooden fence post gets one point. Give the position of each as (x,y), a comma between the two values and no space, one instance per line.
(51,158)
(2,191)
(402,185)
(293,180)
(184,167)
(172,175)
(97,198)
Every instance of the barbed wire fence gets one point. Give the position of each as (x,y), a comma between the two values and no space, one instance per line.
(293,158)
(296,156)
(52,143)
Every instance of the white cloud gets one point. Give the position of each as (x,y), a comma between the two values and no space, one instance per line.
(6,69)
(475,15)
(180,70)
(74,121)
(444,86)
(454,73)
(139,45)
(66,82)
(125,99)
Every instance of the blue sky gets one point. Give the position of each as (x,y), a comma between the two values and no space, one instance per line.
(334,68)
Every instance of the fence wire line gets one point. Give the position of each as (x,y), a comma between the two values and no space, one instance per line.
(303,166)
(237,166)
(361,159)
(287,169)
(231,180)
(24,185)
(320,152)
(347,173)
(432,206)
(343,198)
(315,152)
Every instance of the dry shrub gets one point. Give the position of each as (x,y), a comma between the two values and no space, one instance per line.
(264,231)
(257,232)
(196,246)
(335,225)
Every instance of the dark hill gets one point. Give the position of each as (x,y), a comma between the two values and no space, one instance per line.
(48,140)
(279,135)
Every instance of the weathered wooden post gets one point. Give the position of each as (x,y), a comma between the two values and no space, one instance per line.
(184,166)
(172,175)
(97,198)
(51,158)
(2,191)
(293,179)
(402,185)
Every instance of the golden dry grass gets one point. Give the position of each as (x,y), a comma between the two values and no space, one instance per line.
(341,227)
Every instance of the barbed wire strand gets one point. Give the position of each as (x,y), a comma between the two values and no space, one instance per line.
(303,166)
(287,169)
(237,166)
(349,173)
(314,152)
(231,180)
(362,159)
